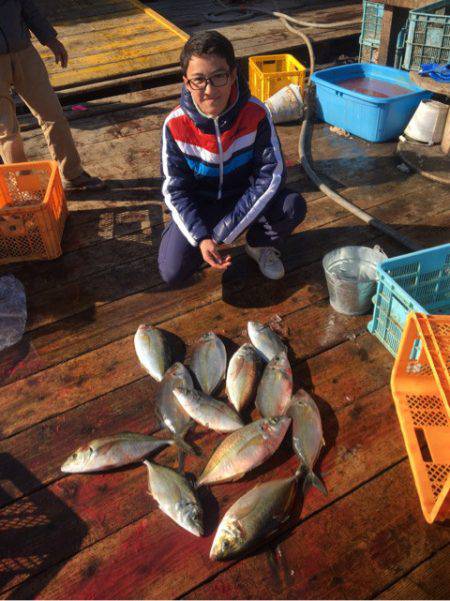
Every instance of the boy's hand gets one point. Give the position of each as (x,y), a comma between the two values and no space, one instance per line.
(212,256)
(60,52)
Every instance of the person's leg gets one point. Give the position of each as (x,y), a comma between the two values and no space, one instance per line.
(177,259)
(267,234)
(31,81)
(11,144)
(287,210)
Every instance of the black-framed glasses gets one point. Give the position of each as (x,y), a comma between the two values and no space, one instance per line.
(218,81)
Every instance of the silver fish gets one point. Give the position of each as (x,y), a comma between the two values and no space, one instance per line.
(167,407)
(111,452)
(254,517)
(209,362)
(175,497)
(242,376)
(307,435)
(265,341)
(207,411)
(275,388)
(153,351)
(244,450)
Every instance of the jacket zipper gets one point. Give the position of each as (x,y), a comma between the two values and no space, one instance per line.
(219,145)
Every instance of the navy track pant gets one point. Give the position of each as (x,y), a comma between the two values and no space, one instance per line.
(178,260)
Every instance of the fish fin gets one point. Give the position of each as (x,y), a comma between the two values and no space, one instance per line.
(187,448)
(301,470)
(323,442)
(181,459)
(312,479)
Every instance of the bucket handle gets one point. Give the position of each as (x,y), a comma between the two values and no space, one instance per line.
(378,248)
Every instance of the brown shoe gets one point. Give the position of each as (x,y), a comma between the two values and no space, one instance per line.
(84,182)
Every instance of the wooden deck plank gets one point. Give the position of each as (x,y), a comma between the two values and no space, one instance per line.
(356,538)
(78,334)
(83,495)
(348,168)
(130,43)
(100,571)
(114,50)
(131,409)
(254,37)
(427,581)
(82,378)
(74,376)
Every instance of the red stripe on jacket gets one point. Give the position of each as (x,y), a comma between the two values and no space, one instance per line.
(183,129)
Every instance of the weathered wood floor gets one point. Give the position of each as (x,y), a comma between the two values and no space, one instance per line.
(132,40)
(109,39)
(74,377)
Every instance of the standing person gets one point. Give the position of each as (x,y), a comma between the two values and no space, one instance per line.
(223,169)
(22,68)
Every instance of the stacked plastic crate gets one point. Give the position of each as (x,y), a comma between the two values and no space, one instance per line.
(369,41)
(424,38)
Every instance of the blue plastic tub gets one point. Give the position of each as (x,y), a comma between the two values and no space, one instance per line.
(418,281)
(371,118)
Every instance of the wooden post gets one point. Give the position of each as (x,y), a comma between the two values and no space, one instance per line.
(445,144)
(393,20)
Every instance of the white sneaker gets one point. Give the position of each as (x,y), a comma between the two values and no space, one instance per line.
(268,259)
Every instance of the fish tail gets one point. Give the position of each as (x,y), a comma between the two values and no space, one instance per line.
(312,479)
(299,471)
(187,448)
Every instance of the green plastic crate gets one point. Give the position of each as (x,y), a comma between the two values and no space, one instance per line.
(369,40)
(428,36)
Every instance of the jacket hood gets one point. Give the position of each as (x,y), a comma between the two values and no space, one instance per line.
(239,96)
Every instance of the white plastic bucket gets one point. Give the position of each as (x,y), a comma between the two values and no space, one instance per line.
(351,274)
(286,105)
(428,122)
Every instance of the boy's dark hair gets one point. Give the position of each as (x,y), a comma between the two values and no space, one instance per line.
(207,42)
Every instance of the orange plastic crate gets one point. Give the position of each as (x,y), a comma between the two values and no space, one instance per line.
(33,211)
(420,385)
(271,72)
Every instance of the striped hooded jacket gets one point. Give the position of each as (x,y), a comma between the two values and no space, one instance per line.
(234,159)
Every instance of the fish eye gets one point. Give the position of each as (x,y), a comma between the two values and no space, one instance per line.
(75,455)
(91,450)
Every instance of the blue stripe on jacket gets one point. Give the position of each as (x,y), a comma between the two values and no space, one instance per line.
(204,169)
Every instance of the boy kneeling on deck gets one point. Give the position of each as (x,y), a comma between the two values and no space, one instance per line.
(223,169)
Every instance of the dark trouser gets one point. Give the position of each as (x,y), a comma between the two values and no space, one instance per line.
(178,260)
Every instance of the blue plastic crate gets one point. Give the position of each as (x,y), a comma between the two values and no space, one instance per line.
(368,52)
(373,119)
(419,281)
(428,36)
(371,22)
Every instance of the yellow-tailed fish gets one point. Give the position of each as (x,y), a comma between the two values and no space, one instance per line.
(307,435)
(254,517)
(242,376)
(265,341)
(244,449)
(168,409)
(209,362)
(175,497)
(112,451)
(207,411)
(152,349)
(275,388)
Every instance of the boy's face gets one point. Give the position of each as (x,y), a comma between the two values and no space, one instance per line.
(210,99)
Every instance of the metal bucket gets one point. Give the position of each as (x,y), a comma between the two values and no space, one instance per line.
(351,274)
